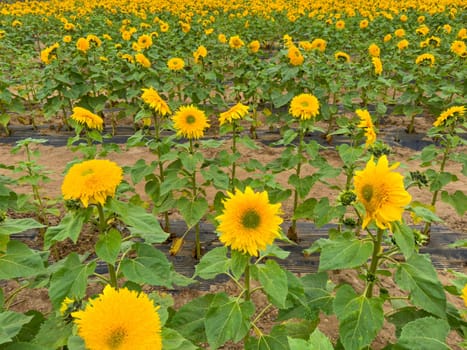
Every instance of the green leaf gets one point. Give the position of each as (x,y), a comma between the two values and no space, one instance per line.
(348,154)
(458,200)
(11,226)
(275,340)
(427,333)
(141,223)
(213,263)
(192,210)
(318,341)
(10,325)
(23,346)
(302,185)
(29,330)
(418,276)
(319,297)
(108,246)
(69,227)
(239,262)
(189,319)
(425,213)
(360,318)
(57,327)
(150,266)
(20,261)
(343,253)
(71,280)
(404,237)
(172,340)
(305,210)
(76,343)
(228,321)
(274,281)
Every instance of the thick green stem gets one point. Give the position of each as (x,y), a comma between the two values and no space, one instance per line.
(371,275)
(247,281)
(103,231)
(293,228)
(195,194)
(234,150)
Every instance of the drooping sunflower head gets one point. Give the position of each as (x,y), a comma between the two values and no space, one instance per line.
(190,122)
(92,181)
(342,57)
(143,60)
(48,54)
(366,123)
(425,58)
(155,101)
(119,319)
(176,63)
(377,65)
(238,111)
(304,106)
(84,117)
(450,116)
(249,223)
(382,193)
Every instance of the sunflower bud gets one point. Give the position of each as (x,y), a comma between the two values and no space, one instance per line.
(347,198)
(176,246)
(3,216)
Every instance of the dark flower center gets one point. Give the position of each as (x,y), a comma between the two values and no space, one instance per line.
(367,192)
(190,119)
(116,339)
(251,219)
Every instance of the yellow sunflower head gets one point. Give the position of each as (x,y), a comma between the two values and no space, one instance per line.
(83,44)
(153,99)
(143,60)
(403,44)
(145,41)
(176,63)
(374,50)
(399,33)
(90,120)
(119,319)
(295,56)
(238,111)
(450,116)
(190,122)
(464,294)
(235,42)
(458,47)
(340,24)
(377,65)
(363,24)
(249,222)
(319,44)
(341,57)
(254,46)
(222,38)
(92,181)
(425,58)
(304,106)
(387,38)
(382,193)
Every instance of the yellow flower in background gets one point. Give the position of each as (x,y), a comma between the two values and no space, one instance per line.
(403,44)
(2,34)
(340,25)
(222,38)
(366,123)
(92,181)
(145,41)
(382,193)
(143,60)
(94,39)
(190,122)
(387,38)
(127,57)
(176,64)
(69,26)
(48,54)
(374,50)
(235,42)
(458,47)
(422,30)
(295,56)
(136,47)
(452,113)
(254,46)
(16,23)
(151,97)
(399,33)
(84,117)
(249,222)
(185,27)
(421,19)
(238,111)
(363,24)
(425,57)
(341,57)
(83,45)
(67,39)
(464,295)
(107,37)
(403,18)
(209,31)
(164,27)
(119,319)
(304,106)
(447,28)
(319,44)
(305,45)
(462,34)
(126,35)
(201,52)
(377,65)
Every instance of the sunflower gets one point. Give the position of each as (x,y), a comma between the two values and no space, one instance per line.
(447,28)
(425,57)
(377,64)
(119,319)
(399,33)
(186,27)
(235,42)
(387,38)
(249,222)
(363,24)
(254,46)
(403,18)
(48,54)
(341,57)
(340,24)
(464,294)
(222,38)
(176,63)
(458,47)
(305,45)
(164,27)
(200,52)
(382,192)
(236,112)
(295,56)
(374,50)
(304,106)
(152,98)
(67,39)
(190,122)
(69,26)
(422,30)
(85,117)
(403,44)
(451,113)
(366,123)
(462,34)
(319,44)
(92,181)
(145,41)
(142,60)
(82,44)
(94,39)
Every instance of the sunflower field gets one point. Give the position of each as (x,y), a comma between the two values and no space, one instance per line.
(261,120)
